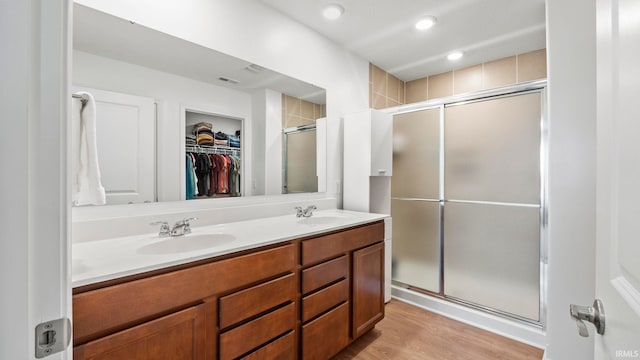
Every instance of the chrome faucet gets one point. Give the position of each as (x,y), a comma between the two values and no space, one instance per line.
(165,230)
(308,212)
(180,228)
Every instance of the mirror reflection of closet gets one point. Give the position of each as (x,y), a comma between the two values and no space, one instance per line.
(113,54)
(213,156)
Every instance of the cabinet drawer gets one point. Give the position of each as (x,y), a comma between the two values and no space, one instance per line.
(255,333)
(281,349)
(325,299)
(103,311)
(327,335)
(328,246)
(255,300)
(176,336)
(325,273)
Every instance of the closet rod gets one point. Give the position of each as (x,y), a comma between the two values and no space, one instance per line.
(212,150)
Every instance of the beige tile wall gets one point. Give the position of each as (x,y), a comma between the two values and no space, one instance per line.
(297,112)
(507,71)
(385,90)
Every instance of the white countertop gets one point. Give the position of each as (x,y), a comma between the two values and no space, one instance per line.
(101,260)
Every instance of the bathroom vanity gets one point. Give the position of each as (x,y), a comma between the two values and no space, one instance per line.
(304,289)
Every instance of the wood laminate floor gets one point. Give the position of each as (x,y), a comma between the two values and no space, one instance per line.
(408,332)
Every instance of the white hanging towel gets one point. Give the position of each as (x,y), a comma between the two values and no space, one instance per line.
(86,185)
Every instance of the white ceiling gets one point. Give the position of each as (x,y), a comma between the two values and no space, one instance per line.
(105,35)
(382,31)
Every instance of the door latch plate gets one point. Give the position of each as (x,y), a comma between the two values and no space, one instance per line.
(52,337)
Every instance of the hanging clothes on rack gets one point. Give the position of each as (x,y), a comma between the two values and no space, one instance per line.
(212,171)
(234,175)
(203,168)
(232,179)
(191,177)
(223,174)
(216,167)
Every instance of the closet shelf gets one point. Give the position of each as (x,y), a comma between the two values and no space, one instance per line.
(213,149)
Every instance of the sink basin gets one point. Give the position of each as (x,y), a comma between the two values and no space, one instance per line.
(180,244)
(322,220)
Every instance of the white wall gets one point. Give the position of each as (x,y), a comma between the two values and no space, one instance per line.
(572,135)
(249,30)
(273,143)
(267,150)
(172,93)
(34,256)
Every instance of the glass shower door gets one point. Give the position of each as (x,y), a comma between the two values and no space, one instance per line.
(299,161)
(492,208)
(415,204)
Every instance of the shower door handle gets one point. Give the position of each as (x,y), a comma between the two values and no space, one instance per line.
(593,314)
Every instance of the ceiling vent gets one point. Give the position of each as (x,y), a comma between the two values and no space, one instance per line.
(231,81)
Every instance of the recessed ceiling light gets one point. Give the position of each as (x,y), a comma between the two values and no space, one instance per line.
(456,55)
(256,69)
(332,11)
(426,23)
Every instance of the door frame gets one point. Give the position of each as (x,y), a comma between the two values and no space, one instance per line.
(35,251)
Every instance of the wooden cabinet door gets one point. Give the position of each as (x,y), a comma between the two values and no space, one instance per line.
(368,288)
(325,336)
(178,336)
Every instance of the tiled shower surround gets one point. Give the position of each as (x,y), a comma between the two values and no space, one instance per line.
(386,90)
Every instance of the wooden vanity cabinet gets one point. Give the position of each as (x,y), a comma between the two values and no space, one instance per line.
(129,318)
(342,287)
(302,299)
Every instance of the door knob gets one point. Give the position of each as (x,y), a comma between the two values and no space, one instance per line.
(593,314)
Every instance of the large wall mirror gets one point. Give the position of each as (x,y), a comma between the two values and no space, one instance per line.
(163,102)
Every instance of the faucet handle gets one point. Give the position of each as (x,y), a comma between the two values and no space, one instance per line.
(165,230)
(187,224)
(184,221)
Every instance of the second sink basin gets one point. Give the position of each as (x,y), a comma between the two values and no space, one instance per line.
(190,242)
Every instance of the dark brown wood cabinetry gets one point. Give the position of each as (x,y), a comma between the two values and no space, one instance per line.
(368,290)
(307,298)
(178,336)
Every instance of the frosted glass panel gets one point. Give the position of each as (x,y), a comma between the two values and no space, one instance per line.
(300,162)
(415,253)
(492,256)
(492,150)
(416,147)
